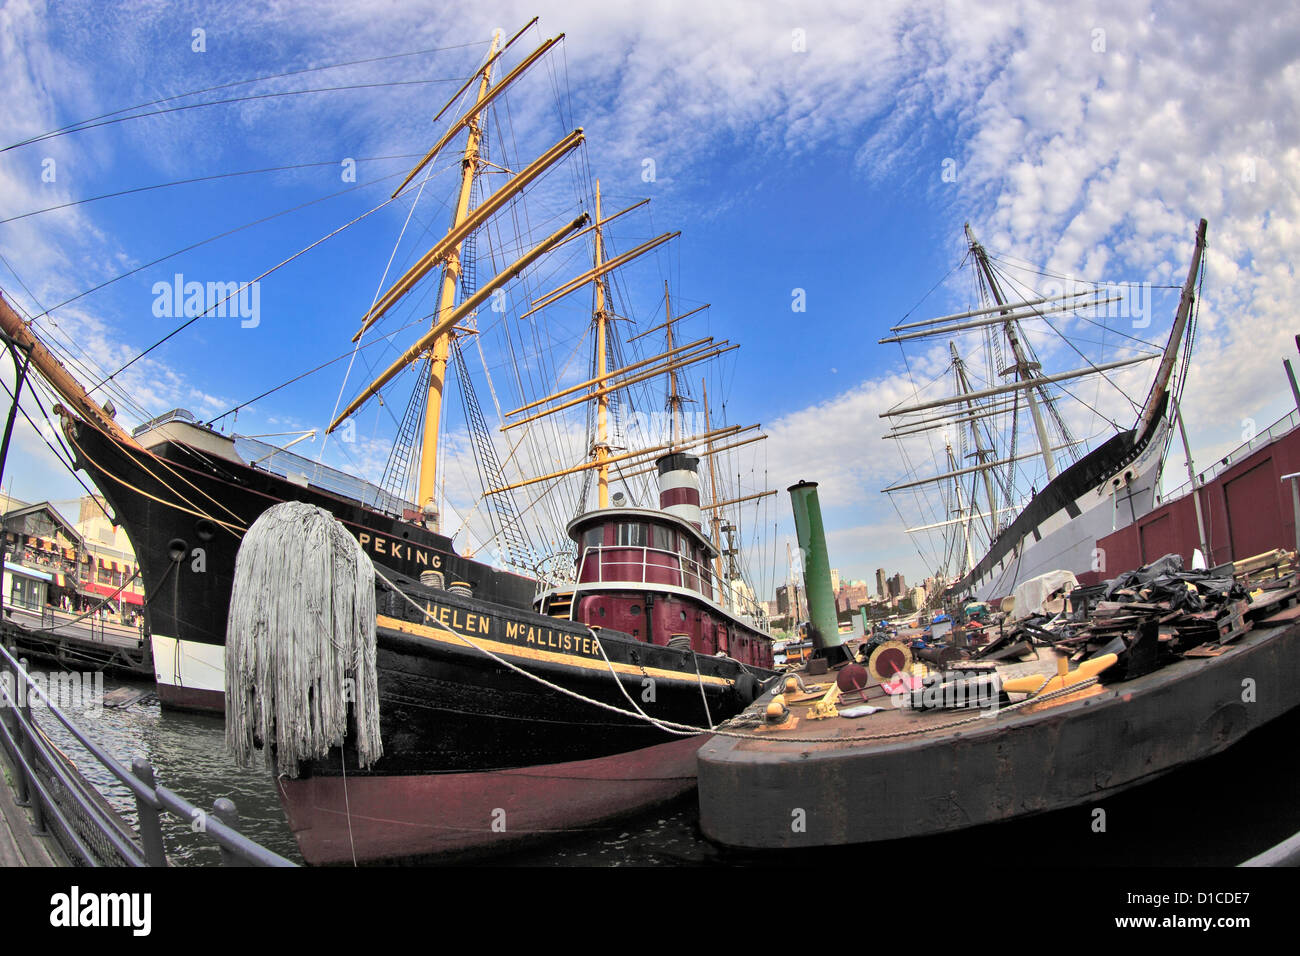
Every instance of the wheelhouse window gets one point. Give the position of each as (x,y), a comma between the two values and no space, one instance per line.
(632,535)
(593,537)
(664,539)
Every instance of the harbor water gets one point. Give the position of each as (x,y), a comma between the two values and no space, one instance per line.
(1217,812)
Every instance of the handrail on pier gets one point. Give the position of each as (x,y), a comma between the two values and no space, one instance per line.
(28,750)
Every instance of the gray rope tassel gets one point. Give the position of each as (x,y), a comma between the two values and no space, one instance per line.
(300,641)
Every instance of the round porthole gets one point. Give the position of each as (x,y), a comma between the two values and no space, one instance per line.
(635,609)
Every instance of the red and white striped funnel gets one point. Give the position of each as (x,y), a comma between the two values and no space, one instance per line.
(679,486)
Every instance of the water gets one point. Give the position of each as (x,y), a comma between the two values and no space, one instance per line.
(1217,812)
(188,754)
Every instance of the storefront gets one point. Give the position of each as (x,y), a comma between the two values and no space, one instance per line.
(25,587)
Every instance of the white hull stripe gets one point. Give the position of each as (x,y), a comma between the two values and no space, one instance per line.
(189,664)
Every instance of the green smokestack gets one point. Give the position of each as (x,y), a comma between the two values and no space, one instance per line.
(816,564)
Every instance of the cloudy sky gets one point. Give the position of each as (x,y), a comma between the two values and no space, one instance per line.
(823,152)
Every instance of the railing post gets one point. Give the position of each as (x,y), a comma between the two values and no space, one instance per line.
(20,737)
(30,794)
(7,713)
(224,810)
(1295,505)
(155,853)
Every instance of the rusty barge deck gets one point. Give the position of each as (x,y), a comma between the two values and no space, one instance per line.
(902,772)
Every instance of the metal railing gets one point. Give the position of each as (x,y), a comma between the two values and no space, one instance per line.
(90,626)
(82,820)
(691,575)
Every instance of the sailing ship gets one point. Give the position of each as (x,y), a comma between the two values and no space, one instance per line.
(186,492)
(1001,523)
(643,580)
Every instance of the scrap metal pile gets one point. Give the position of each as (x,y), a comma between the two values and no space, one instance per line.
(1154,615)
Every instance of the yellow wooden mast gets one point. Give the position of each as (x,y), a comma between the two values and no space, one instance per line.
(674,400)
(602,394)
(713,484)
(428,483)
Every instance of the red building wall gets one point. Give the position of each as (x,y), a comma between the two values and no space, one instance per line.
(1248,510)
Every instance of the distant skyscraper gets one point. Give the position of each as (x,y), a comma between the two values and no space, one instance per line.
(880,584)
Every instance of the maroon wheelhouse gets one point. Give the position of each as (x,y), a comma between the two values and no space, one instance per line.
(652,573)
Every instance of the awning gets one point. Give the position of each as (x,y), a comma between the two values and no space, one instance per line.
(19,569)
(105,590)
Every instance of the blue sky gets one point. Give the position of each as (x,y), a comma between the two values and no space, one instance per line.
(797,147)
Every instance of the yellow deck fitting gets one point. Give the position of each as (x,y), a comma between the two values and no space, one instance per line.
(826,706)
(1064,676)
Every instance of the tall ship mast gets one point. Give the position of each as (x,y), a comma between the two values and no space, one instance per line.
(1017,492)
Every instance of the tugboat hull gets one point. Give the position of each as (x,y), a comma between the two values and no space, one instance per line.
(369,819)
(480,758)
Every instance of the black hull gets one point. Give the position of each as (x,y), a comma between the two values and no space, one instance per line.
(1061,494)
(447,708)
(187,559)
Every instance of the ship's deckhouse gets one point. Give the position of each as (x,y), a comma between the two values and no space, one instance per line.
(640,546)
(652,573)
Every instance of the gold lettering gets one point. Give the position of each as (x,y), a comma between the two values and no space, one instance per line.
(512,630)
(379,546)
(532,634)
(364,539)
(421,557)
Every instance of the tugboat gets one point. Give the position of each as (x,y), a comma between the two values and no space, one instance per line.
(500,726)
(648,573)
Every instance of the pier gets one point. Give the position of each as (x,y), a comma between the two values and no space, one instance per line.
(78,640)
(51,815)
(19,845)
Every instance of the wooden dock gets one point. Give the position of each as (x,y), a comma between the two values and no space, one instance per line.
(78,643)
(19,846)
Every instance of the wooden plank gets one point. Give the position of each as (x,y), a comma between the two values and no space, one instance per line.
(18,845)
(1284,617)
